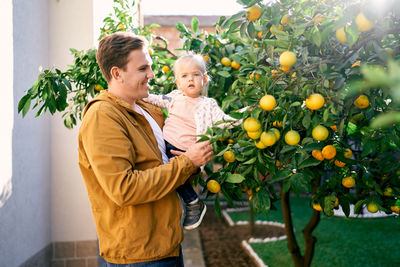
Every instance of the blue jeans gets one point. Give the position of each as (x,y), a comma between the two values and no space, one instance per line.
(185,191)
(167,262)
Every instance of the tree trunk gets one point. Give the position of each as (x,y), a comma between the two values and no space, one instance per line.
(309,239)
(251,222)
(292,242)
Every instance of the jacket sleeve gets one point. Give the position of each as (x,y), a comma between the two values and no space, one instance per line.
(112,156)
(218,115)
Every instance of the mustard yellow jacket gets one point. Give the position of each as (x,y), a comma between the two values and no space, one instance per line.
(132,193)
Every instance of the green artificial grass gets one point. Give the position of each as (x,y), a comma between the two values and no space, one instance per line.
(340,241)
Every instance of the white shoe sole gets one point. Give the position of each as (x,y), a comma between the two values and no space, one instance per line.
(194,226)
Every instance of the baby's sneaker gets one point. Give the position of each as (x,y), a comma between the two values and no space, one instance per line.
(195,212)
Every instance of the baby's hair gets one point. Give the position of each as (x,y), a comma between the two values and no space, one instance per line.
(198,59)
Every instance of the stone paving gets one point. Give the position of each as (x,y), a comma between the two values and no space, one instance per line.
(192,250)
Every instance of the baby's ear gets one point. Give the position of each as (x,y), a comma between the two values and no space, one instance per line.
(205,78)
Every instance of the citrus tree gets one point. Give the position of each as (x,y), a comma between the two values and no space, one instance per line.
(321,79)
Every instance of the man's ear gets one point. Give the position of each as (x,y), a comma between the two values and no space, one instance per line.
(116,74)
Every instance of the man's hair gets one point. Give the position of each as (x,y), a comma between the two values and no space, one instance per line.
(114,50)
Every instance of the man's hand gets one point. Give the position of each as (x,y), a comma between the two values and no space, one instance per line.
(199,154)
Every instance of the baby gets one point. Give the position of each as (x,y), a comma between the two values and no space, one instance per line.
(190,113)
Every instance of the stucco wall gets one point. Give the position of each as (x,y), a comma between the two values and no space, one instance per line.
(25,217)
(71,26)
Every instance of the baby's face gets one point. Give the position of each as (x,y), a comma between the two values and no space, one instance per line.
(189,78)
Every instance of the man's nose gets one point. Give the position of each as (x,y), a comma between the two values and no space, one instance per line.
(150,74)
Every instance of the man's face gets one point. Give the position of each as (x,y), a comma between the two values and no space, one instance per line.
(137,74)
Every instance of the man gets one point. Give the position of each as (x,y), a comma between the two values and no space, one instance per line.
(132,193)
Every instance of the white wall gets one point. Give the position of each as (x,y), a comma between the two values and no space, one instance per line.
(6,101)
(25,217)
(71,26)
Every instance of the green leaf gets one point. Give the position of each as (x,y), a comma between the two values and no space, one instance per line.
(300,182)
(234,178)
(369,147)
(228,100)
(313,146)
(309,162)
(251,30)
(386,120)
(224,74)
(280,175)
(358,206)
(250,161)
(195,24)
(306,120)
(316,36)
(299,30)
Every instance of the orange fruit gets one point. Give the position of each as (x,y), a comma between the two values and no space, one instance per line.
(165,69)
(226,61)
(213,186)
(320,133)
(277,124)
(98,87)
(274,28)
(276,132)
(259,35)
(336,202)
(230,141)
(268,138)
(274,73)
(362,101)
(285,69)
(287,59)
(339,163)
(285,20)
(315,101)
(292,138)
(388,191)
(333,127)
(348,182)
(235,65)
(229,156)
(329,152)
(363,23)
(260,145)
(372,207)
(251,125)
(318,18)
(317,206)
(150,51)
(395,209)
(206,58)
(121,26)
(317,154)
(348,153)
(254,75)
(254,135)
(341,35)
(268,102)
(253,13)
